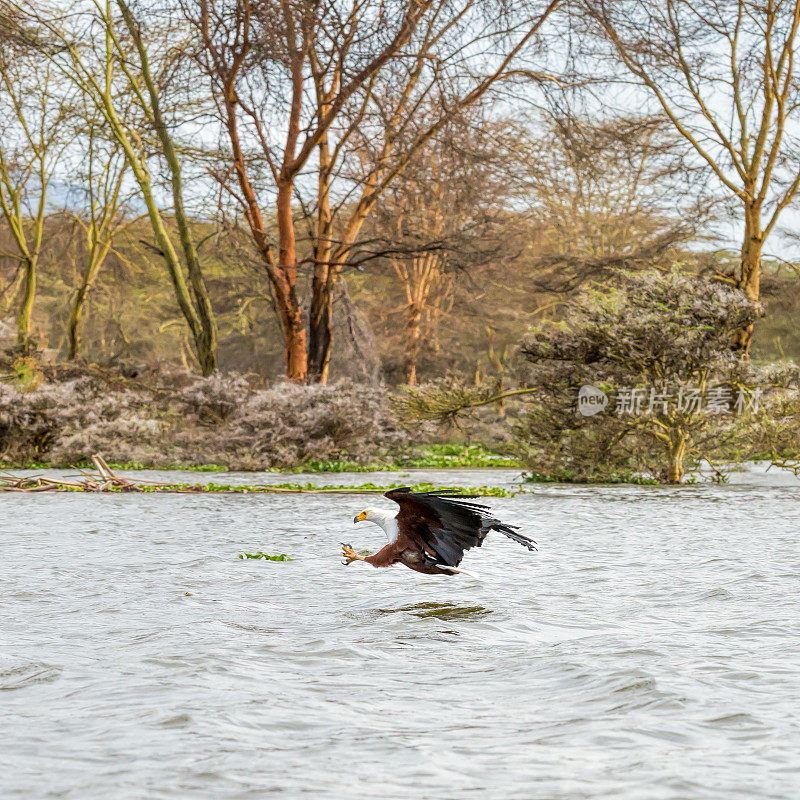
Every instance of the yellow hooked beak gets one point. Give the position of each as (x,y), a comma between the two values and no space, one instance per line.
(360,518)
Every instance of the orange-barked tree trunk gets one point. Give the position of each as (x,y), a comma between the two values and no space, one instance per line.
(413,342)
(289,308)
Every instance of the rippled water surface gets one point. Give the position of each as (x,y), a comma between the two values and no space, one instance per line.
(651,649)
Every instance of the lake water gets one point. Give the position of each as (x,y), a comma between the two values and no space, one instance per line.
(650,649)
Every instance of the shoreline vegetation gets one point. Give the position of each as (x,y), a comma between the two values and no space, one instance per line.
(57,418)
(171,419)
(104,480)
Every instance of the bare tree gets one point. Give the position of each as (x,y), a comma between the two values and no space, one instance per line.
(722,71)
(246,44)
(33,135)
(614,194)
(16,33)
(295,78)
(407,108)
(106,54)
(100,211)
(443,216)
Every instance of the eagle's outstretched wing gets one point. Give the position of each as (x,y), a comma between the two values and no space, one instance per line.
(446,524)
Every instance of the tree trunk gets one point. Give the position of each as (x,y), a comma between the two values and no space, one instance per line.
(199,315)
(675,454)
(296,350)
(75,317)
(413,342)
(291,314)
(320,319)
(320,330)
(282,276)
(203,335)
(26,306)
(206,345)
(79,303)
(749,280)
(206,337)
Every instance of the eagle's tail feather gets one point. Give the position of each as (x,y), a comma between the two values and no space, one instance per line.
(511,532)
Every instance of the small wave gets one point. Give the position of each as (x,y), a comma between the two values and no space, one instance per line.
(640,685)
(16,673)
(712,594)
(177,721)
(740,718)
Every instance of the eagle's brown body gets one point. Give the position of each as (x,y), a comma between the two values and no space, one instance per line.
(405,551)
(432,531)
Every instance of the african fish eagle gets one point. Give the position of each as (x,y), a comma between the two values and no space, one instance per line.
(431,531)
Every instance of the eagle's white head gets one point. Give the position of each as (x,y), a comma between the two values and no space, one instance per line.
(384,519)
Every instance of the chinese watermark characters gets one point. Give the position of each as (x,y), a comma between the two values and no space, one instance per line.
(639,401)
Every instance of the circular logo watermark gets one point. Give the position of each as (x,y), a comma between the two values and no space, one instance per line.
(591,400)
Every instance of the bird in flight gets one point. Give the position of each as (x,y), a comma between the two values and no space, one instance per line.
(431,531)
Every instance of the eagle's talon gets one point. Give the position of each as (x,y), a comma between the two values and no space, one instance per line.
(349,554)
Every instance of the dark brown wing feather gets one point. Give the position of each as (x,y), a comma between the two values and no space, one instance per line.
(444,525)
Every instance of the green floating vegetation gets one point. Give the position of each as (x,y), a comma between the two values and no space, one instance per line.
(297,488)
(25,465)
(434,456)
(266,556)
(124,486)
(452,456)
(568,476)
(137,466)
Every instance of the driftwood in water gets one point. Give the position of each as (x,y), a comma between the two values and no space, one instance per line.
(104,481)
